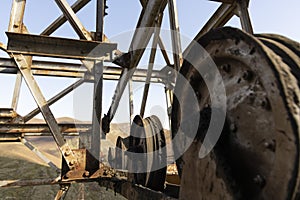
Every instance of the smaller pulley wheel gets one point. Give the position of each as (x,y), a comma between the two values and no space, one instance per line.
(147,153)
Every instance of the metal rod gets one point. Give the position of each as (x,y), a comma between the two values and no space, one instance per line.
(151,64)
(24,64)
(59,47)
(17,89)
(138,44)
(131,105)
(43,128)
(97,111)
(244,16)
(39,153)
(54,99)
(48,68)
(175,34)
(73,19)
(62,19)
(62,192)
(163,51)
(16,16)
(169,102)
(160,42)
(100,19)
(222,15)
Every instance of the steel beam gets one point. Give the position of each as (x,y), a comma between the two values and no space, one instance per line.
(222,15)
(244,16)
(17,89)
(140,40)
(54,99)
(62,19)
(43,128)
(24,64)
(160,42)
(16,16)
(58,47)
(175,34)
(97,111)
(47,68)
(130,101)
(35,150)
(119,185)
(73,19)
(100,12)
(150,65)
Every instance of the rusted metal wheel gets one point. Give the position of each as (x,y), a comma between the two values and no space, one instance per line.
(257,155)
(148,140)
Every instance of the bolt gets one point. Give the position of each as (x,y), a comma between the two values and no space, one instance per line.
(259,180)
(72,162)
(86,174)
(67,153)
(247,75)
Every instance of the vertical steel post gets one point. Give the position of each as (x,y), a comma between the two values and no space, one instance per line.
(16,25)
(98,83)
(169,100)
(100,19)
(16,16)
(17,89)
(131,108)
(97,110)
(175,34)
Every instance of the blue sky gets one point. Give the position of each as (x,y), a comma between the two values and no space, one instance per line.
(268,16)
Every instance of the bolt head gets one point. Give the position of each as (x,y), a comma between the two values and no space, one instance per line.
(86,173)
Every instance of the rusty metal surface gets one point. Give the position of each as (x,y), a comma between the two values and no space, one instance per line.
(43,128)
(286,54)
(62,19)
(58,47)
(262,121)
(45,68)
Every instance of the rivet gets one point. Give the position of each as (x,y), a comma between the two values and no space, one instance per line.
(72,162)
(86,173)
(67,153)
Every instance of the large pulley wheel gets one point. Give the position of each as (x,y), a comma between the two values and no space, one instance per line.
(257,155)
(147,141)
